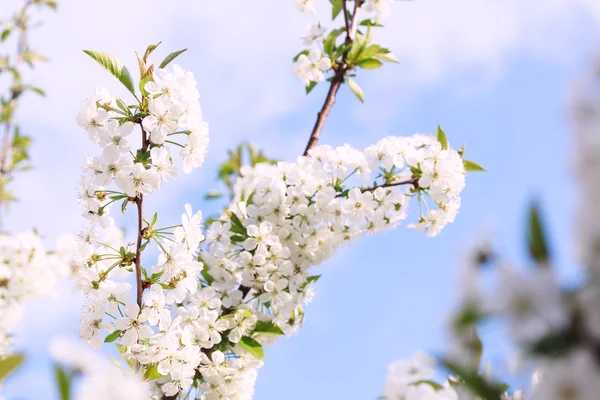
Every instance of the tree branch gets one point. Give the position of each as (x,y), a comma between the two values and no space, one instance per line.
(139,202)
(338,78)
(414,182)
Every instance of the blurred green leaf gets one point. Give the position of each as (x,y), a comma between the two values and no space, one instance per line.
(536,236)
(10,363)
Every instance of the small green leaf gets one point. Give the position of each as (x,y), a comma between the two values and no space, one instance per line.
(124,205)
(5,34)
(63,382)
(149,50)
(151,373)
(237,238)
(253,347)
(536,236)
(369,63)
(170,58)
(436,386)
(112,337)
(310,86)
(207,277)
(336,8)
(297,56)
(477,383)
(368,22)
(51,4)
(313,278)
(213,195)
(114,66)
(358,92)
(267,328)
(441,137)
(472,166)
(143,82)
(9,363)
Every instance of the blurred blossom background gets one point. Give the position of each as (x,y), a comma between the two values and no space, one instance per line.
(496,74)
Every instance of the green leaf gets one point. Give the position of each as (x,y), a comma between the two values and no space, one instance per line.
(51,4)
(213,195)
(63,382)
(10,363)
(149,50)
(478,384)
(358,92)
(441,137)
(389,57)
(368,22)
(313,278)
(151,373)
(143,82)
(124,205)
(267,328)
(472,166)
(5,34)
(555,344)
(114,66)
(310,86)
(37,90)
(297,56)
(170,58)
(253,347)
(236,223)
(536,236)
(237,238)
(436,386)
(336,8)
(207,277)
(369,63)
(112,337)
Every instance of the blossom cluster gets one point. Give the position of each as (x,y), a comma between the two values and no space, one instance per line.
(98,378)
(380,8)
(27,270)
(206,314)
(412,380)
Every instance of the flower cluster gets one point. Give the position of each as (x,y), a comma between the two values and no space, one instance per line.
(98,378)
(412,379)
(207,305)
(27,270)
(288,217)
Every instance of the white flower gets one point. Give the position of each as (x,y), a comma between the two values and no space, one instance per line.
(162,121)
(306,6)
(316,33)
(138,181)
(132,325)
(311,67)
(241,325)
(161,160)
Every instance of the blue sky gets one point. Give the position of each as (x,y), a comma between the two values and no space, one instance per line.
(495,74)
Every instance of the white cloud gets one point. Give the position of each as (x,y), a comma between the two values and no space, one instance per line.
(240,52)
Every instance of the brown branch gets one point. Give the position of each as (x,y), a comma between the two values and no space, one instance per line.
(139,202)
(414,182)
(338,78)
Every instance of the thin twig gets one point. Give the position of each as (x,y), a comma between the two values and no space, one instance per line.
(338,78)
